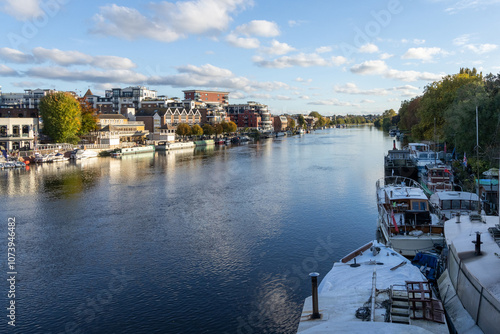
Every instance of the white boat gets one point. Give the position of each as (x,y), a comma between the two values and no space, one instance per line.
(166,146)
(452,203)
(405,220)
(470,286)
(59,157)
(374,290)
(422,155)
(133,150)
(9,164)
(83,154)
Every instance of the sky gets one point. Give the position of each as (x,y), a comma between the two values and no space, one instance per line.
(296,56)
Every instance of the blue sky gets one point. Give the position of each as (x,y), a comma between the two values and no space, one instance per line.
(335,57)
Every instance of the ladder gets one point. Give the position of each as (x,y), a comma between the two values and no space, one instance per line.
(400,306)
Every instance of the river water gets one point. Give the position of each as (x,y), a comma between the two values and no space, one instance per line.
(218,240)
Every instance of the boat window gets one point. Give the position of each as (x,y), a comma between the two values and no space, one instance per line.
(455,205)
(474,205)
(465,205)
(423,156)
(446,205)
(419,206)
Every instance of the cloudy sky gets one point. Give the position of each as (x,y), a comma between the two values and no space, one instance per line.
(335,57)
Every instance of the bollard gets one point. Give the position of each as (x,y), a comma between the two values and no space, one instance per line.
(458,217)
(478,243)
(314,282)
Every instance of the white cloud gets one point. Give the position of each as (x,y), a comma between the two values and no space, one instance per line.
(15,56)
(304,97)
(462,40)
(351,88)
(424,54)
(6,71)
(470,4)
(64,74)
(299,79)
(386,55)
(242,42)
(370,67)
(324,49)
(295,23)
(379,67)
(168,21)
(368,48)
(278,48)
(67,58)
(333,102)
(367,101)
(213,77)
(418,41)
(260,28)
(21,9)
(300,60)
(481,48)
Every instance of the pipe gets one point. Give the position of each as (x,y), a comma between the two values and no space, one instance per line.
(314,283)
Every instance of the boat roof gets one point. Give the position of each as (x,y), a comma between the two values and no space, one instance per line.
(345,289)
(486,267)
(395,192)
(453,195)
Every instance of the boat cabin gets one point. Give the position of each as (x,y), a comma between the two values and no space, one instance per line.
(451,203)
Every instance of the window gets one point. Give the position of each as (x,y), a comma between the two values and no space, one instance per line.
(15,130)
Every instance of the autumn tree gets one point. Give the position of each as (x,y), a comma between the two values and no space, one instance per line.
(88,119)
(196,130)
(291,123)
(183,130)
(231,126)
(61,116)
(208,129)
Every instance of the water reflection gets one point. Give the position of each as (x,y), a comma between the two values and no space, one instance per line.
(215,240)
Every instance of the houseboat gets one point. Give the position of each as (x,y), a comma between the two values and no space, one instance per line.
(133,150)
(399,163)
(448,204)
(405,220)
(373,290)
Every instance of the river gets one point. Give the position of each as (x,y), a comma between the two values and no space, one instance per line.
(219,240)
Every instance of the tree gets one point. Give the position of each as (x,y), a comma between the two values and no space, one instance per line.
(438,96)
(302,121)
(89,121)
(196,130)
(208,129)
(183,130)
(232,127)
(291,123)
(218,129)
(61,117)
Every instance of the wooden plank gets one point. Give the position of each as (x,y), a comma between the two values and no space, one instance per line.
(357,252)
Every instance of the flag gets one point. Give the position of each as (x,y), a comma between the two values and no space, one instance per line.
(394,221)
(447,171)
(465,160)
(445,149)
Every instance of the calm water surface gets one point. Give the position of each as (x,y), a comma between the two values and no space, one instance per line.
(212,241)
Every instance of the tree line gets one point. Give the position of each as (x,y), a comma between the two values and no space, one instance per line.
(446,113)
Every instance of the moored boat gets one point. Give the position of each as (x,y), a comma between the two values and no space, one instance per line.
(449,204)
(437,177)
(399,163)
(373,290)
(405,220)
(132,150)
(80,154)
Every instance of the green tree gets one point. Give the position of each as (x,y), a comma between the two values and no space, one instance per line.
(437,97)
(196,130)
(183,130)
(302,121)
(291,123)
(208,129)
(61,117)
